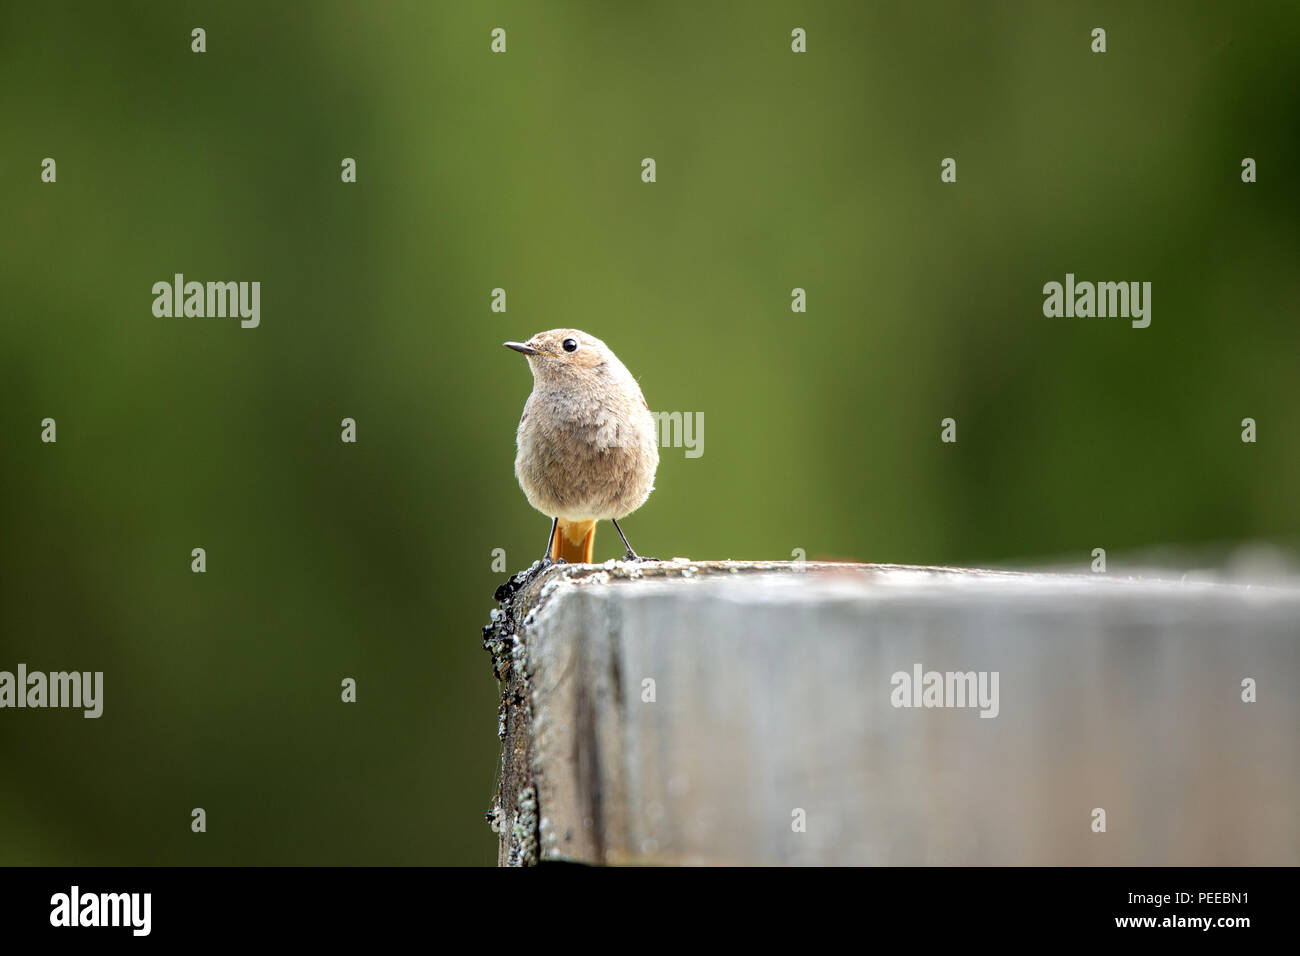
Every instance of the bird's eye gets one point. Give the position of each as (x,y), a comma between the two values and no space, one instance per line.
(570,345)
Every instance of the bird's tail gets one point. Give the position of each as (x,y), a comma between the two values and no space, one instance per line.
(574,541)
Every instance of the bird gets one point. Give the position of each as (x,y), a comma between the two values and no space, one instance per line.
(587,442)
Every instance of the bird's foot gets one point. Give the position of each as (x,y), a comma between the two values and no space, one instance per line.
(518,581)
(633,556)
(543,565)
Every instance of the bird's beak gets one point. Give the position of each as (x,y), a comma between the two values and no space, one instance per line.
(521,347)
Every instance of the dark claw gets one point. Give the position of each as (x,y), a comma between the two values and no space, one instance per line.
(518,581)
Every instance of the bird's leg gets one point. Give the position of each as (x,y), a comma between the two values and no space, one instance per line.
(547,560)
(631,555)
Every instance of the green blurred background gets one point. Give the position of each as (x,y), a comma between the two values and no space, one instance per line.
(522,171)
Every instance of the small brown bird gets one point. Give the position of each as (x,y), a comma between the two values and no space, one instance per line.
(587,442)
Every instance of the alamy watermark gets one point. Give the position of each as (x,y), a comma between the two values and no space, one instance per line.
(672,430)
(1122,300)
(946,689)
(75,689)
(178,298)
(681,430)
(76,908)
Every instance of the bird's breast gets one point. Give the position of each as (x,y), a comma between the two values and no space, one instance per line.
(587,459)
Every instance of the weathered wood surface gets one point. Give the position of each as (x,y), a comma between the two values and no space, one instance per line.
(773,688)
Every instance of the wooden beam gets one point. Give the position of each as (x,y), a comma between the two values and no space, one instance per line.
(764,713)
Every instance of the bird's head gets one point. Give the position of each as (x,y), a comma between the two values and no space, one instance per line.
(562,355)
